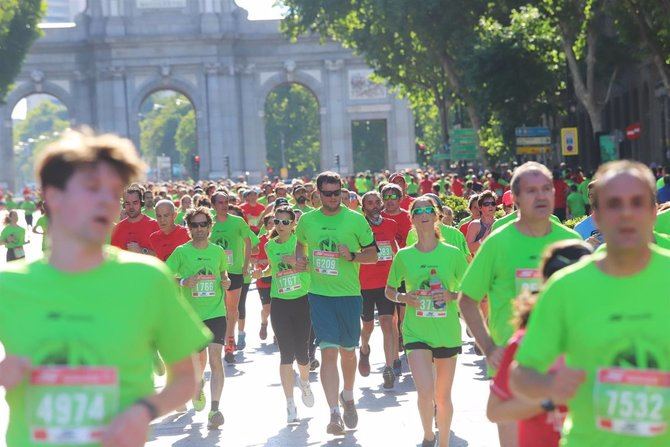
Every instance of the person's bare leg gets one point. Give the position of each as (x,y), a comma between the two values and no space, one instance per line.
(218,374)
(421,366)
(348,363)
(508,434)
(366,332)
(202,363)
(287,375)
(390,339)
(265,313)
(444,378)
(396,337)
(330,378)
(232,301)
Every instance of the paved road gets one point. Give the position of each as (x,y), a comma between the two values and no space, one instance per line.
(254,406)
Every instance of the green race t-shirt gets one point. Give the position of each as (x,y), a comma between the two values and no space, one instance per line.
(663,222)
(16,233)
(253,238)
(505,264)
(614,329)
(511,217)
(29,207)
(230,235)
(576,205)
(331,275)
(150,212)
(660,239)
(286,282)
(11,205)
(110,319)
(439,328)
(43,224)
(207,297)
(451,236)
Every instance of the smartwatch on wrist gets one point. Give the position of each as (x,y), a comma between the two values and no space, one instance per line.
(181,282)
(353,256)
(548,405)
(151,408)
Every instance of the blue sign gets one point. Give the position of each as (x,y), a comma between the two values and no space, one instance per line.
(532,132)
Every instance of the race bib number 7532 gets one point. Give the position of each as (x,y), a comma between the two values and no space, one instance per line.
(71,405)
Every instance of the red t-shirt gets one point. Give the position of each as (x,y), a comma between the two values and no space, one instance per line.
(374,276)
(457,188)
(543,430)
(426,186)
(262,262)
(164,244)
(252,213)
(125,232)
(464,228)
(406,202)
(560,193)
(404,225)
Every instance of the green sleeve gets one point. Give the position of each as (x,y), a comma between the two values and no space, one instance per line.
(254,239)
(544,339)
(300,231)
(178,331)
(364,233)
(462,244)
(479,275)
(412,237)
(174,261)
(460,266)
(223,260)
(395,277)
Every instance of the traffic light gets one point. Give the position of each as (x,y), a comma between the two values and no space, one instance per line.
(337,162)
(195,166)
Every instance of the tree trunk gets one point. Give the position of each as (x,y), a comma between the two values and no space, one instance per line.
(443,106)
(652,45)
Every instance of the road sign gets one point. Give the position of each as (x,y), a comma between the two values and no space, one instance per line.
(608,148)
(569,141)
(532,150)
(532,132)
(463,144)
(283,173)
(533,141)
(441,156)
(633,131)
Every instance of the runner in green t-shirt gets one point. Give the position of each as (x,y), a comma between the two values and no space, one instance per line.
(289,311)
(95,314)
(333,240)
(431,329)
(13,237)
(43,225)
(29,207)
(576,204)
(232,234)
(507,262)
(149,204)
(200,267)
(608,315)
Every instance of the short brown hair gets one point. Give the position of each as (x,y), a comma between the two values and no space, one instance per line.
(328,177)
(190,214)
(614,168)
(486,194)
(79,149)
(528,167)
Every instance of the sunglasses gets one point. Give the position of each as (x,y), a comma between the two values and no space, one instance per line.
(335,193)
(488,204)
(424,210)
(391,197)
(198,224)
(284,222)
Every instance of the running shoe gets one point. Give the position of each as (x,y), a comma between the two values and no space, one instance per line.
(229,350)
(314,364)
(200,402)
(350,415)
(427,443)
(291,414)
(306,389)
(389,377)
(397,367)
(241,341)
(335,426)
(364,363)
(263,333)
(215,420)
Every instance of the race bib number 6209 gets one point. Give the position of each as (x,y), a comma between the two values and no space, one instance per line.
(326,262)
(71,405)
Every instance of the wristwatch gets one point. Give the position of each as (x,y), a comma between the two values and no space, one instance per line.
(145,251)
(548,405)
(151,408)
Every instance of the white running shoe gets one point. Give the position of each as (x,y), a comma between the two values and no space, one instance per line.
(306,389)
(291,414)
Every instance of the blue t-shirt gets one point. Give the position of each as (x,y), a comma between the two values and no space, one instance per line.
(663,194)
(587,228)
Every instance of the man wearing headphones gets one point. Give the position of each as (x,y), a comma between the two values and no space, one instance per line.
(133,232)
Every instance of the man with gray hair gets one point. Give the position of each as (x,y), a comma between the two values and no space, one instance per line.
(507,263)
(169,236)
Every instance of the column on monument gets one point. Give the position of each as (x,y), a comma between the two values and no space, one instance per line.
(6,150)
(337,119)
(402,135)
(214,110)
(120,105)
(227,122)
(253,158)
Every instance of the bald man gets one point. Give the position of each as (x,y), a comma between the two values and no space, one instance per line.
(169,236)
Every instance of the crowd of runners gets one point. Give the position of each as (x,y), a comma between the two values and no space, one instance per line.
(142,279)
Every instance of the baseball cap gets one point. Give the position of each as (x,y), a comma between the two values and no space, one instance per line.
(507,199)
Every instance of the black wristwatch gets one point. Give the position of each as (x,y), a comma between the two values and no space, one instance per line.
(548,405)
(151,408)
(353,256)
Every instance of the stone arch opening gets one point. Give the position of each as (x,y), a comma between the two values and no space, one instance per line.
(38,119)
(168,134)
(292,130)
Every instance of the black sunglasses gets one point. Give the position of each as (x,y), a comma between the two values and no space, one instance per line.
(335,193)
(284,222)
(488,204)
(198,224)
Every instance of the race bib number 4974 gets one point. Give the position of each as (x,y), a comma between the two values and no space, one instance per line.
(634,402)
(71,405)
